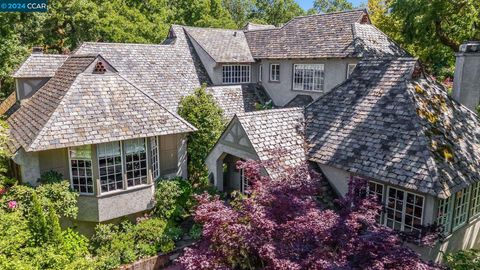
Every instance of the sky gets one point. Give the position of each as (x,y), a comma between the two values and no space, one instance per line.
(306,4)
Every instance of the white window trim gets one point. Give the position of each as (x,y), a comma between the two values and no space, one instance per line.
(454,211)
(260,71)
(271,72)
(404,206)
(249,70)
(71,176)
(474,215)
(350,71)
(377,183)
(449,217)
(155,177)
(124,169)
(315,91)
(124,182)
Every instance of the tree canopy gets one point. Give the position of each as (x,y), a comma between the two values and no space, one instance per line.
(327,6)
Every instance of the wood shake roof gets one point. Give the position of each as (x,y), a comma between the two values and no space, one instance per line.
(78,107)
(321,36)
(40,66)
(387,124)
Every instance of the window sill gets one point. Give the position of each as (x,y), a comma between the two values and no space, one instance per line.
(309,91)
(130,189)
(270,81)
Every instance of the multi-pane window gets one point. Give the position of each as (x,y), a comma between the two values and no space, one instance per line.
(404,210)
(308,77)
(244,181)
(155,159)
(235,74)
(275,72)
(444,214)
(460,208)
(350,68)
(376,189)
(110,166)
(413,212)
(135,162)
(81,169)
(475,202)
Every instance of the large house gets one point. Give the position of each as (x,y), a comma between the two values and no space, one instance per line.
(105,116)
(390,123)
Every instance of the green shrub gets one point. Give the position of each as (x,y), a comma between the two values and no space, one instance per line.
(196,231)
(173,199)
(124,243)
(57,196)
(201,110)
(463,260)
(50,177)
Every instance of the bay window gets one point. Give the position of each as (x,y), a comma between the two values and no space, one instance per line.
(308,77)
(110,166)
(235,74)
(404,210)
(135,162)
(81,169)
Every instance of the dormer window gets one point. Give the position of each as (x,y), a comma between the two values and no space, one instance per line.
(99,68)
(232,74)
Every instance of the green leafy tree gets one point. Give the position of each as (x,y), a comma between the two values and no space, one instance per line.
(37,222)
(240,10)
(277,12)
(327,6)
(463,260)
(203,13)
(429,29)
(201,110)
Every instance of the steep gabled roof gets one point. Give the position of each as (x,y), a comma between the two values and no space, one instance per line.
(222,45)
(78,107)
(40,66)
(323,35)
(387,124)
(167,72)
(276,131)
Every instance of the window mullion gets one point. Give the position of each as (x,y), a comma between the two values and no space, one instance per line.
(124,172)
(404,210)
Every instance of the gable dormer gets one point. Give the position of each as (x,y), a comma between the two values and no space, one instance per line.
(35,72)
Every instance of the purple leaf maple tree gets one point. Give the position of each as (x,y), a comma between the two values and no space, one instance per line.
(281,225)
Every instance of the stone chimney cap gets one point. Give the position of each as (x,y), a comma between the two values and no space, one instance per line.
(37,50)
(470,47)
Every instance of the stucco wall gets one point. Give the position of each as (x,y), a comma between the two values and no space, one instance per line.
(26,87)
(466,237)
(56,160)
(337,178)
(208,63)
(29,166)
(282,92)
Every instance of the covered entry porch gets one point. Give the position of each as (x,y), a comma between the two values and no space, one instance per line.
(232,146)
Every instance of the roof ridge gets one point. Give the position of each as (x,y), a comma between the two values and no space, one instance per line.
(268,111)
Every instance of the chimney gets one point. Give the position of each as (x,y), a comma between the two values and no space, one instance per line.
(466,81)
(37,50)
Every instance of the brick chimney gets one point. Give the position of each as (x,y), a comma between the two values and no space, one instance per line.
(466,82)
